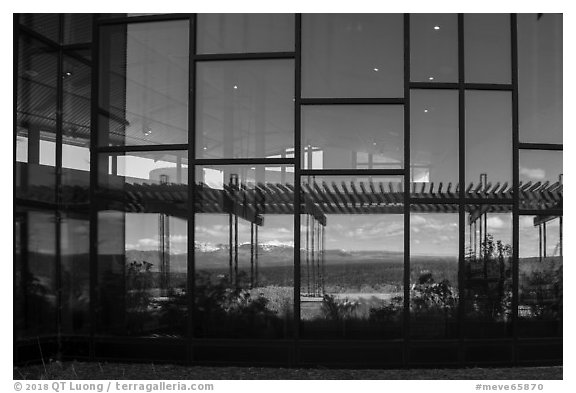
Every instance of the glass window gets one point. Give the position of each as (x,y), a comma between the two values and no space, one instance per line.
(244,109)
(540,77)
(352,136)
(245,33)
(541,179)
(36,247)
(434,48)
(540,277)
(434,141)
(487,48)
(152,168)
(142,244)
(488,144)
(434,271)
(36,121)
(244,252)
(76,131)
(75,270)
(352,55)
(488,271)
(352,258)
(45,24)
(77,28)
(143,94)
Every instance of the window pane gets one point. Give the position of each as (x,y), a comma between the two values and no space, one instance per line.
(541,179)
(76,131)
(540,281)
(352,258)
(488,144)
(434,271)
(245,109)
(137,168)
(434,141)
(36,121)
(77,28)
(36,246)
(353,137)
(540,77)
(142,244)
(488,271)
(44,24)
(434,48)
(352,55)
(245,33)
(244,252)
(75,268)
(487,48)
(144,84)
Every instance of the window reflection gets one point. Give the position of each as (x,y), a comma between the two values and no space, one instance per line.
(540,77)
(76,131)
(36,121)
(244,251)
(488,144)
(77,28)
(36,246)
(351,258)
(245,109)
(488,271)
(487,49)
(541,179)
(144,84)
(540,279)
(434,48)
(434,141)
(352,55)
(75,270)
(142,244)
(245,33)
(44,24)
(352,137)
(434,271)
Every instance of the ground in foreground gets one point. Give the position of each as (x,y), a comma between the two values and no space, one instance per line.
(81,370)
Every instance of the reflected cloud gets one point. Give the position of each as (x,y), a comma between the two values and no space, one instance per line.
(533,173)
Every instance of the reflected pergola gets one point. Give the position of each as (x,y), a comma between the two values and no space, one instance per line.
(319,200)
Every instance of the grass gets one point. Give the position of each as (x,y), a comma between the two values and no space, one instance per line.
(80,370)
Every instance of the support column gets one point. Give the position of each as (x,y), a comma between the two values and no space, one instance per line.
(540,242)
(251,255)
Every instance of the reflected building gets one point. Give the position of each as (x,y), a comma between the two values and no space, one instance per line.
(323,189)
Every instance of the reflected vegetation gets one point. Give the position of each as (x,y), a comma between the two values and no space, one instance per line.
(488,271)
(142,244)
(244,252)
(352,259)
(540,305)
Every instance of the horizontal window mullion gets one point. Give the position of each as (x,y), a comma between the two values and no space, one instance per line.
(352,101)
(433,85)
(245,161)
(352,172)
(244,56)
(540,146)
(141,148)
(143,19)
(489,86)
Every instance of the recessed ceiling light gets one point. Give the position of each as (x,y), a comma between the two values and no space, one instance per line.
(205,148)
(431,78)
(374,143)
(235,87)
(68,73)
(436,27)
(376,69)
(425,110)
